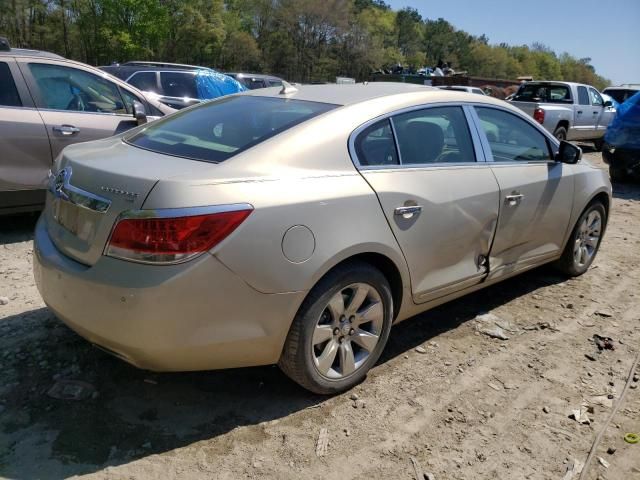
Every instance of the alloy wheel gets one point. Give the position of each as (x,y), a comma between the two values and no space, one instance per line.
(347,331)
(587,238)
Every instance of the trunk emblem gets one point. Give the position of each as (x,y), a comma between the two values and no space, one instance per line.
(131,196)
(61,188)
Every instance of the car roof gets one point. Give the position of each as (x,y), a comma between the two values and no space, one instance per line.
(350,94)
(626,86)
(24,52)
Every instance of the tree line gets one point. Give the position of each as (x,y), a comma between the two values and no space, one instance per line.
(301,40)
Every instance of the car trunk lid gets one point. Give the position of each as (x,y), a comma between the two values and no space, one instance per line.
(93,184)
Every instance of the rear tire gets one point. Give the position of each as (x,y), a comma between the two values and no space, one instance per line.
(560,133)
(584,242)
(333,342)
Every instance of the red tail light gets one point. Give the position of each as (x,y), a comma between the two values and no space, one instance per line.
(171,239)
(538,115)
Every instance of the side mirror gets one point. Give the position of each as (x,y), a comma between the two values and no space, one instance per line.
(569,153)
(139,113)
(608,103)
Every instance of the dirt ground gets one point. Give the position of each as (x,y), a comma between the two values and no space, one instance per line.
(471,407)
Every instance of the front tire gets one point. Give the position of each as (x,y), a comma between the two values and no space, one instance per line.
(340,330)
(584,242)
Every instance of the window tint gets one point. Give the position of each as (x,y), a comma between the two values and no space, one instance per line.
(596,98)
(512,138)
(145,81)
(178,84)
(274,83)
(8,93)
(253,83)
(583,96)
(434,135)
(375,145)
(536,92)
(64,88)
(217,130)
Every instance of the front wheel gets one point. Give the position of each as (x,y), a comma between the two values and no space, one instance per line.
(340,330)
(584,242)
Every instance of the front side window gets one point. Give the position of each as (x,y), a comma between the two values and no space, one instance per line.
(8,92)
(512,138)
(583,96)
(178,84)
(596,98)
(144,81)
(375,145)
(434,135)
(217,130)
(72,89)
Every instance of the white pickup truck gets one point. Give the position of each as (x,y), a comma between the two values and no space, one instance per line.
(570,111)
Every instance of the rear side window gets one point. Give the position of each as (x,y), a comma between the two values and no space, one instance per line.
(8,93)
(217,130)
(375,145)
(178,84)
(512,138)
(434,135)
(145,81)
(583,96)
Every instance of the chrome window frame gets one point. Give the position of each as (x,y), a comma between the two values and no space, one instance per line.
(475,140)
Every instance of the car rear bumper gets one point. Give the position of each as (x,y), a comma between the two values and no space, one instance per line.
(198,315)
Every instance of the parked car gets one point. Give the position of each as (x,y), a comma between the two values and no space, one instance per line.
(623,92)
(622,142)
(295,226)
(462,88)
(175,84)
(256,80)
(571,111)
(47,103)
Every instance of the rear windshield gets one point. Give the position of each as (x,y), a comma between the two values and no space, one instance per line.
(535,92)
(215,131)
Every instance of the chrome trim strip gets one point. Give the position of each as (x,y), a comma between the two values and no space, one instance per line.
(61,188)
(183,212)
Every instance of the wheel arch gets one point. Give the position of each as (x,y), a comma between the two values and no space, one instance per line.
(564,123)
(397,278)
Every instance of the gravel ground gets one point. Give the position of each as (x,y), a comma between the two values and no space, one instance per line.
(467,407)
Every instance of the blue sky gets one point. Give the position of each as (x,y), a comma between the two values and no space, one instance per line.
(606,31)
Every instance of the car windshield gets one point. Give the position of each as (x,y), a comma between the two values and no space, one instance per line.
(620,95)
(215,131)
(536,92)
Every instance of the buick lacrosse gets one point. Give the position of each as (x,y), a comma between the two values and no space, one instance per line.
(297,225)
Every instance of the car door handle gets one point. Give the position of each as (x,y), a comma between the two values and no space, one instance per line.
(66,129)
(513,199)
(408,211)
(579,112)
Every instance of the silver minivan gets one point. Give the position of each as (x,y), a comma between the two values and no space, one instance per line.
(47,103)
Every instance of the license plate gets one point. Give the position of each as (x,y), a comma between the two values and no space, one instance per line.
(67,215)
